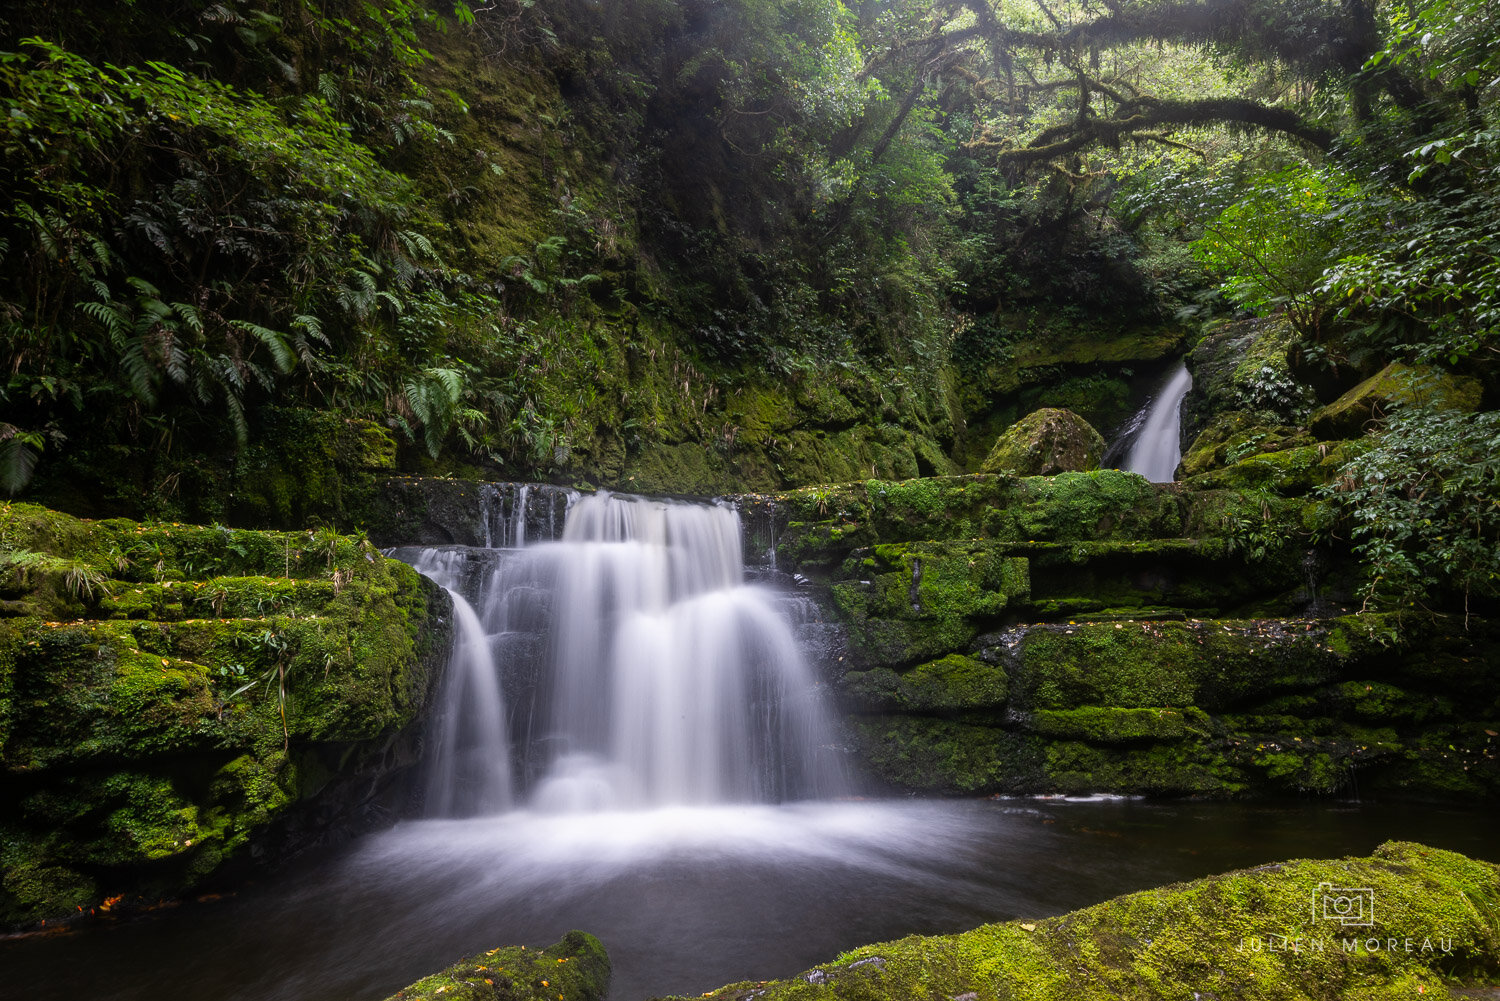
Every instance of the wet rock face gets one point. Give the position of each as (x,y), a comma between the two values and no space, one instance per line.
(1255,934)
(576,968)
(1044,443)
(175,700)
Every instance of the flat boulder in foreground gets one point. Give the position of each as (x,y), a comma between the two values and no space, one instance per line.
(1409,921)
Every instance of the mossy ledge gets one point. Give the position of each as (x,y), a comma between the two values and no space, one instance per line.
(575,969)
(177,701)
(1252,934)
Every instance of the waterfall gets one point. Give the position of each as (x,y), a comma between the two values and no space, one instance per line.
(1154,434)
(469,770)
(639,667)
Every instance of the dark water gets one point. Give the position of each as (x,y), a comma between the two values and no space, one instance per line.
(686,900)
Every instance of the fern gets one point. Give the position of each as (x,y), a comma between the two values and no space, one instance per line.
(281,352)
(19,451)
(139,374)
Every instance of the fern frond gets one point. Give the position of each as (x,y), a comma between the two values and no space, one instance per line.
(274,341)
(140,376)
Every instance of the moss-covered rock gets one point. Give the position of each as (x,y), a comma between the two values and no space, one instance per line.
(954,682)
(1101,398)
(170,694)
(1266,933)
(1216,708)
(1044,443)
(1396,385)
(948,756)
(906,602)
(575,969)
(1289,471)
(1112,725)
(1233,436)
(1241,366)
(823,524)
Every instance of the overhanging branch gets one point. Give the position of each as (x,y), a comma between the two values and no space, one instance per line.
(1141,117)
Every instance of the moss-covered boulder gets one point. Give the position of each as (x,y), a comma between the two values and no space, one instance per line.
(1407,921)
(1044,443)
(1396,385)
(575,969)
(173,696)
(1289,471)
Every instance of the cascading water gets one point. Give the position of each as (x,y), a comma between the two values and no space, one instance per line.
(469,769)
(1152,439)
(643,669)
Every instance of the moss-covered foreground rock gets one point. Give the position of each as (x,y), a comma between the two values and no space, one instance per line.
(1263,933)
(575,969)
(174,698)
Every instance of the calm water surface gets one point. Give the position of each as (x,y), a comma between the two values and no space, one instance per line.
(686,899)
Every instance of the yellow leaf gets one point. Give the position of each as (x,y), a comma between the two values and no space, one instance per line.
(1029,927)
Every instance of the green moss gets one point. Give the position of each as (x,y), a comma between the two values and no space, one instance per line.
(1177,664)
(926,754)
(1092,506)
(1110,725)
(1396,385)
(576,969)
(1238,452)
(1174,769)
(1241,365)
(29,884)
(913,601)
(309,467)
(1046,442)
(157,744)
(825,522)
(1068,345)
(1102,400)
(1291,471)
(1255,934)
(948,683)
(1138,665)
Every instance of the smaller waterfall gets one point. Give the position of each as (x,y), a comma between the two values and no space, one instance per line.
(469,769)
(1155,432)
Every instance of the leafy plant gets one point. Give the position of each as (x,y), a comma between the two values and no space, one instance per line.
(1420,506)
(1273,245)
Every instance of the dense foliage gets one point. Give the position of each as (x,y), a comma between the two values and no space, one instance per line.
(1422,502)
(528,234)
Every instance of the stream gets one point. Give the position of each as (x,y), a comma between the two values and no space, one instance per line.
(685,899)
